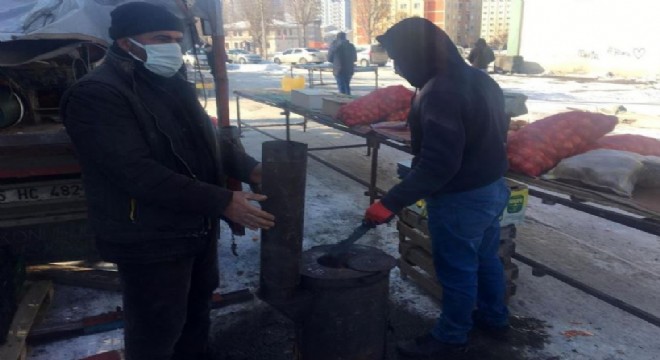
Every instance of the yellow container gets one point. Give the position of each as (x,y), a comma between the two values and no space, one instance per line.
(292,83)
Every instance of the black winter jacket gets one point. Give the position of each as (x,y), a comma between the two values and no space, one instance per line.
(153,167)
(342,55)
(457,121)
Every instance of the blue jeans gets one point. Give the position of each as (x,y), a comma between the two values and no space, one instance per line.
(465,233)
(344,83)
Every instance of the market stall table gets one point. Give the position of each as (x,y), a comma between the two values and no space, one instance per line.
(327,67)
(642,212)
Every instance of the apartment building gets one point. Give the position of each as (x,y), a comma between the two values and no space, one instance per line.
(280,35)
(463,21)
(336,13)
(495,18)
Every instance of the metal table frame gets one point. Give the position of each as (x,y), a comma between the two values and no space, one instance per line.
(646,221)
(321,68)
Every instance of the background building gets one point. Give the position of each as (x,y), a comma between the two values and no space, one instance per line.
(495,18)
(589,39)
(336,13)
(280,36)
(463,21)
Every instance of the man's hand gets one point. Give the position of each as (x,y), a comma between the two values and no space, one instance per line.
(242,212)
(378,214)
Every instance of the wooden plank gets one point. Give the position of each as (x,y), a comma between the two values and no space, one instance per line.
(422,279)
(77,276)
(415,237)
(417,221)
(431,285)
(37,294)
(108,355)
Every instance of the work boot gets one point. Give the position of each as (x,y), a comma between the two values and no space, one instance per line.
(427,346)
(499,333)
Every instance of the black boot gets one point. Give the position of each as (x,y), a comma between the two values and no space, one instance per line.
(427,345)
(499,333)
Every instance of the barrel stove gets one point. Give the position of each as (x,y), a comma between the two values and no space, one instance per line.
(339,307)
(348,317)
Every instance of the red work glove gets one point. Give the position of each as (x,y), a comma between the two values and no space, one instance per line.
(378,214)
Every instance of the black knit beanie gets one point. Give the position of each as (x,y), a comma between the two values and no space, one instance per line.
(139,17)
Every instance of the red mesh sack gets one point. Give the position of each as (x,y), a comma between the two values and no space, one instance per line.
(400,115)
(639,144)
(539,146)
(375,106)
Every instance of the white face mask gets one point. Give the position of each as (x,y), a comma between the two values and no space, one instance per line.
(162,59)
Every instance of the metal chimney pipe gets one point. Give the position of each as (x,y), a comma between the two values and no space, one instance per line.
(283,181)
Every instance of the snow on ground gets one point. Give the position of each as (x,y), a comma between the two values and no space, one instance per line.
(334,205)
(258,68)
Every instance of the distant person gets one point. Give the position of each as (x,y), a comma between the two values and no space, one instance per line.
(342,55)
(481,55)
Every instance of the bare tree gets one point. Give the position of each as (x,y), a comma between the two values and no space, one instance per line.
(371,17)
(259,14)
(304,12)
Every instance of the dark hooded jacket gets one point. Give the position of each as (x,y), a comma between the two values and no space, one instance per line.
(342,55)
(481,55)
(457,120)
(153,167)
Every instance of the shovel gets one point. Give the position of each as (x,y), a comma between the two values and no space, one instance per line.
(333,257)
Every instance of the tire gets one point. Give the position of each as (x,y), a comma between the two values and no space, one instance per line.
(242,61)
(302,61)
(364,62)
(277,61)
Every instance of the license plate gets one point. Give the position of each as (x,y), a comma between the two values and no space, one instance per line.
(41,192)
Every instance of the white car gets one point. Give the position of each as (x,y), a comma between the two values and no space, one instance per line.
(300,56)
(371,55)
(190,58)
(242,57)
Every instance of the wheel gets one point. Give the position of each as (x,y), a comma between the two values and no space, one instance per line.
(277,61)
(302,61)
(364,62)
(242,61)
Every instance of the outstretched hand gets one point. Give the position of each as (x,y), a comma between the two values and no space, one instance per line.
(242,212)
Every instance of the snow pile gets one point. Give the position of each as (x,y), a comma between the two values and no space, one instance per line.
(258,68)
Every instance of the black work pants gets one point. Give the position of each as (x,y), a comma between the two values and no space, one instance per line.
(167,306)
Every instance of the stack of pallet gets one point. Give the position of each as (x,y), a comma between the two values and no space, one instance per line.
(416,261)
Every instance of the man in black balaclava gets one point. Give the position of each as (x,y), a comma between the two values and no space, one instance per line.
(458,129)
(154,174)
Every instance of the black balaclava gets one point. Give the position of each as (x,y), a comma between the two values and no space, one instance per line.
(420,50)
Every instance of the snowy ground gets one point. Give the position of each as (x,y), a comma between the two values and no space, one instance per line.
(610,257)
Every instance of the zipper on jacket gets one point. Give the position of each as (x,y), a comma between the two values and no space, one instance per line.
(132,212)
(169,139)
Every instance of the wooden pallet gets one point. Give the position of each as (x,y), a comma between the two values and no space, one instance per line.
(38,296)
(429,283)
(416,260)
(409,236)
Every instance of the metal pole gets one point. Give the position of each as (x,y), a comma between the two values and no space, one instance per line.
(373,194)
(540,270)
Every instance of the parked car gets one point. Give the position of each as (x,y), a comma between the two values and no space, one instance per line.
(300,56)
(241,56)
(371,55)
(193,55)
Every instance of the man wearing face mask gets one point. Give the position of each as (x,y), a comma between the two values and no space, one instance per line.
(154,176)
(458,130)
